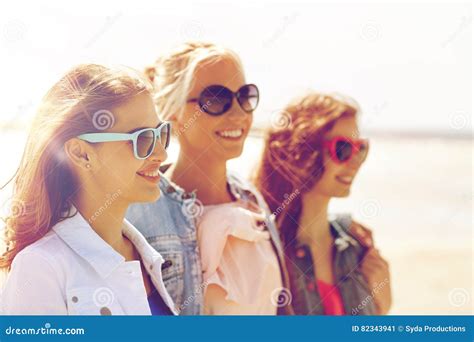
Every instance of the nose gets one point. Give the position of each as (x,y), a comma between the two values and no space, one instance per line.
(356,161)
(159,154)
(237,114)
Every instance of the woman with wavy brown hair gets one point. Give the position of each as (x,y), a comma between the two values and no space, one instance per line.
(312,157)
(94,147)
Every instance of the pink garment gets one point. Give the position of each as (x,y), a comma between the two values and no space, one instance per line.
(241,270)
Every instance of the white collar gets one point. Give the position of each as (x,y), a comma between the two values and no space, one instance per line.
(77,233)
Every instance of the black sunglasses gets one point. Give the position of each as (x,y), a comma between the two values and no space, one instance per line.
(217,99)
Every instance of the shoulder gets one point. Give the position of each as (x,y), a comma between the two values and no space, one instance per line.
(45,250)
(245,188)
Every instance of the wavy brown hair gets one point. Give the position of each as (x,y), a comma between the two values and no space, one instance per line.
(44,183)
(292,161)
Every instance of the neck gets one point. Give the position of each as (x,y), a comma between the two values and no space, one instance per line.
(107,223)
(313,223)
(207,177)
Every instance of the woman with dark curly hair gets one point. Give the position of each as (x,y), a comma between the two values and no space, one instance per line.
(312,158)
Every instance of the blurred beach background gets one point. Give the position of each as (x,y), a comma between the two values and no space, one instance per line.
(409,65)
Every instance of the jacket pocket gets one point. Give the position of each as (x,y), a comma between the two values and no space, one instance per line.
(170,248)
(92,301)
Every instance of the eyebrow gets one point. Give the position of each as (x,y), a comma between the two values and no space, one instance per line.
(140,128)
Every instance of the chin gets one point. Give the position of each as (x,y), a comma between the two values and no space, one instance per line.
(231,154)
(149,196)
(342,193)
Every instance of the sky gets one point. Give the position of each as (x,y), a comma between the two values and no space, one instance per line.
(408,64)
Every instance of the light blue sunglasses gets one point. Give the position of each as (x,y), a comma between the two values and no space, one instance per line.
(144,140)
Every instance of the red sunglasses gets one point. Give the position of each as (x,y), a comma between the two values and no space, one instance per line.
(342,149)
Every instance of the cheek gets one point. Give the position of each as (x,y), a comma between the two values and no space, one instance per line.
(119,166)
(327,182)
(198,133)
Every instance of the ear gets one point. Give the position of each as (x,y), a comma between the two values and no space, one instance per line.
(78,153)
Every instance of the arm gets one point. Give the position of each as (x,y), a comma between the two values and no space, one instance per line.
(374,268)
(32,288)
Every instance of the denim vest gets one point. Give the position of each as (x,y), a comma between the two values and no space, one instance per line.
(347,254)
(169,225)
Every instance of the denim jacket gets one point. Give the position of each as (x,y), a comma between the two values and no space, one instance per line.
(347,254)
(169,225)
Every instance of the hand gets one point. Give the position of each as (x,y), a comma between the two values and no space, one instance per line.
(376,271)
(362,234)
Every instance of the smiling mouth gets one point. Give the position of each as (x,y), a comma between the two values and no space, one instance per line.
(231,134)
(347,180)
(151,176)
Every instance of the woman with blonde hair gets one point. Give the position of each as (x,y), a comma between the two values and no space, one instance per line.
(308,161)
(94,147)
(224,251)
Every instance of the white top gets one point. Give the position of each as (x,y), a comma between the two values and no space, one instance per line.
(73,271)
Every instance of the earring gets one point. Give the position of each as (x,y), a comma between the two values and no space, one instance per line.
(88,166)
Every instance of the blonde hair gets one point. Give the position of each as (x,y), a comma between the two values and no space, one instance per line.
(172,74)
(44,183)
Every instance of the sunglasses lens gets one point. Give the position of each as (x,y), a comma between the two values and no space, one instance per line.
(216,100)
(343,150)
(145,142)
(248,97)
(165,135)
